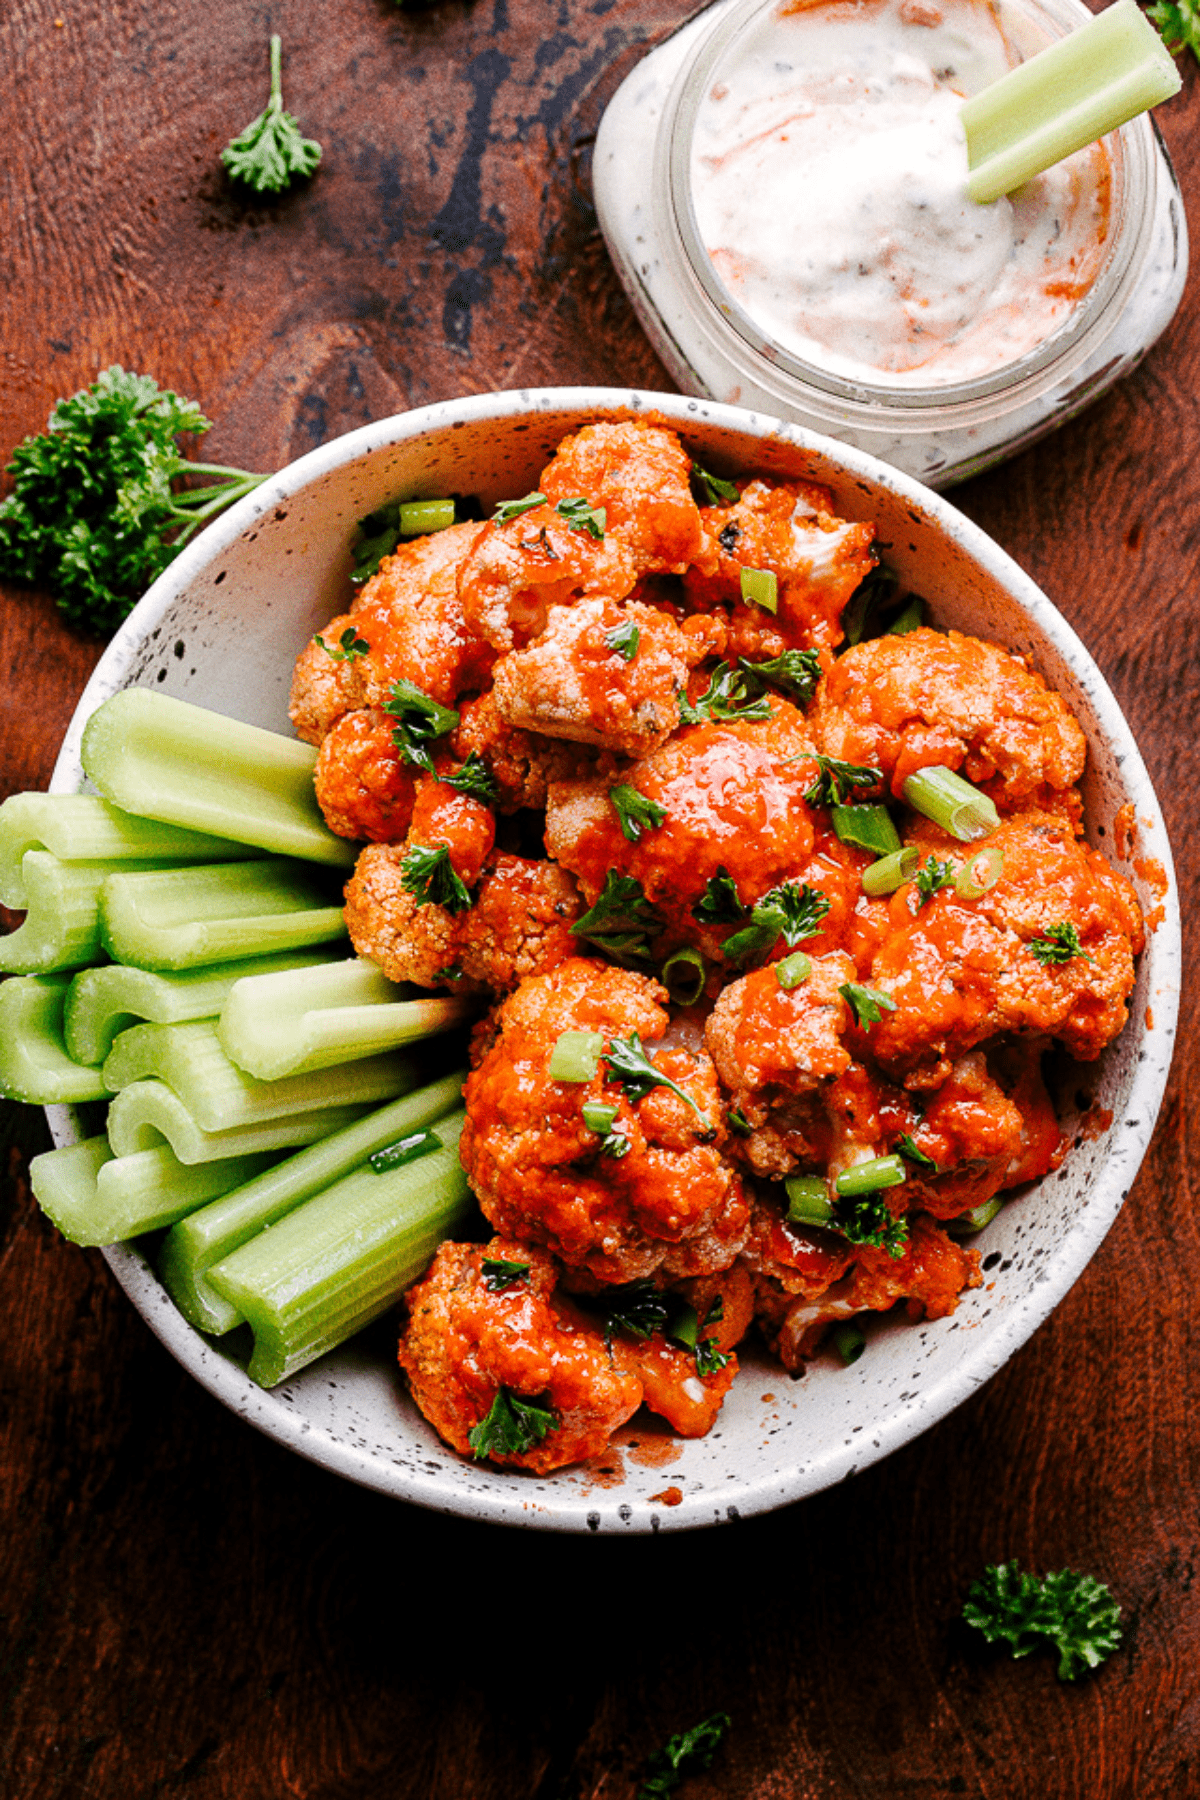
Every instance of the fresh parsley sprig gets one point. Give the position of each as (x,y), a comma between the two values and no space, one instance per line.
(1179,23)
(713,488)
(867,1219)
(631,1069)
(513,1424)
(719,903)
(622,921)
(836,780)
(512,509)
(1075,1613)
(868,1004)
(93,515)
(474,778)
(792,910)
(581,515)
(727,696)
(429,876)
(1058,944)
(686,1751)
(635,811)
(348,647)
(499,1274)
(420,721)
(270,153)
(624,639)
(795,673)
(933,875)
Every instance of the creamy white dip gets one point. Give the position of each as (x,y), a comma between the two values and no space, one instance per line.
(828,179)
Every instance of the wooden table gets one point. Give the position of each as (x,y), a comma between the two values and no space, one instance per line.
(189,1609)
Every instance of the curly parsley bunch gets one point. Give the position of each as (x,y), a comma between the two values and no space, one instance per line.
(93,516)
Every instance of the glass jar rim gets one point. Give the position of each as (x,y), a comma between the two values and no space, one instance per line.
(1132,161)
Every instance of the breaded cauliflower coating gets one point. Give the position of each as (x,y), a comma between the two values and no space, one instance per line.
(476,1341)
(641,475)
(363,788)
(982,1138)
(576,681)
(789,529)
(649,1191)
(519,568)
(518,925)
(927,698)
(768,1041)
(521,764)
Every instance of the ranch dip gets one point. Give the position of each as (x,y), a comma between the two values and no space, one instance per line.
(828,178)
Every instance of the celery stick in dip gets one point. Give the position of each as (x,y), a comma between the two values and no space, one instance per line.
(829,171)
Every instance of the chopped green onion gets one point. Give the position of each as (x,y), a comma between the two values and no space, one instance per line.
(405,1150)
(598,1117)
(575,1056)
(164,759)
(793,970)
(890,872)
(185,918)
(342,1258)
(1101,75)
(684,975)
(980,873)
(97,1199)
(288,1023)
(761,588)
(147,1113)
(206,1237)
(419,517)
(848,1341)
(968,1223)
(34,1064)
(866,1177)
(952,803)
(866,828)
(808,1200)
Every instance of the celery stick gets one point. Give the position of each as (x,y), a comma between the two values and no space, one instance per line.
(1070,94)
(164,759)
(61,927)
(219,1095)
(101,1199)
(142,1115)
(205,1237)
(184,918)
(343,1257)
(34,1064)
(273,1025)
(101,1002)
(85,828)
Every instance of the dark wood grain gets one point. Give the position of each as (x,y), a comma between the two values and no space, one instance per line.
(188,1608)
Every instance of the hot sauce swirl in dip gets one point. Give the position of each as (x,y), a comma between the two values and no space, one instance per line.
(828,172)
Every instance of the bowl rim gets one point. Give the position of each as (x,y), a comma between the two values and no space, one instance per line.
(976,1361)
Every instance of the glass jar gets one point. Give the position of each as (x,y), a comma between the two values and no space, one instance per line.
(940,432)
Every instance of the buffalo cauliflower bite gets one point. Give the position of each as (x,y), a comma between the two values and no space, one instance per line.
(927,698)
(768,1041)
(573,682)
(521,764)
(363,788)
(732,798)
(651,1191)
(982,1135)
(519,568)
(469,1337)
(641,475)
(789,529)
(519,923)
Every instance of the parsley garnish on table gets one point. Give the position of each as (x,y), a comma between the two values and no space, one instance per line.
(271,153)
(1179,23)
(1075,1613)
(680,1755)
(93,515)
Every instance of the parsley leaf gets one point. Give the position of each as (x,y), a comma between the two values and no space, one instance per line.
(719,903)
(428,875)
(474,778)
(419,721)
(866,1003)
(624,639)
(686,1751)
(1179,23)
(1058,944)
(636,812)
(726,697)
(602,1119)
(92,504)
(790,911)
(632,1069)
(713,487)
(269,154)
(1076,1613)
(499,1274)
(796,672)
(861,618)
(622,920)
(867,1219)
(581,515)
(836,780)
(709,1359)
(911,1152)
(348,646)
(512,509)
(512,1426)
(932,876)
(738,1123)
(636,1308)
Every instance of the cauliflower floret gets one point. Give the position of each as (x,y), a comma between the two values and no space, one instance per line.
(363,788)
(472,1341)
(649,1191)
(572,683)
(521,764)
(768,1041)
(926,698)
(519,924)
(641,475)
(790,529)
(519,568)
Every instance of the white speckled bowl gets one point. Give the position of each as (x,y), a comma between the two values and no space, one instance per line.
(223,627)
